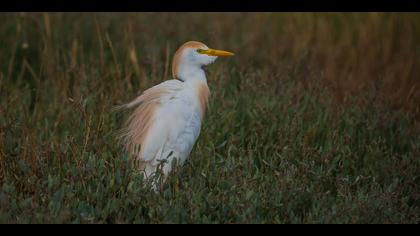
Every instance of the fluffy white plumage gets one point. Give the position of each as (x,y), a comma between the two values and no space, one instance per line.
(167,120)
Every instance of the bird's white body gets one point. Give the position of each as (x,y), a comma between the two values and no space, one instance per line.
(174,134)
(167,120)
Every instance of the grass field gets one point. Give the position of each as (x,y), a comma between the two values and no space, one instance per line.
(314,120)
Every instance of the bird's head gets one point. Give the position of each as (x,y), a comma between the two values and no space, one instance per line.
(193,55)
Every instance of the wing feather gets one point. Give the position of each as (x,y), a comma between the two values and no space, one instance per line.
(137,126)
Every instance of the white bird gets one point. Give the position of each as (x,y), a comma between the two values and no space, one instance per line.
(167,120)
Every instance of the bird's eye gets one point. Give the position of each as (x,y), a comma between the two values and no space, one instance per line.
(200,50)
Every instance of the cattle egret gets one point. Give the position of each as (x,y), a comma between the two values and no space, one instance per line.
(167,118)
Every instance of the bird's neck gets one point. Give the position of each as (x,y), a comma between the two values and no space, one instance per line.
(195,78)
(195,74)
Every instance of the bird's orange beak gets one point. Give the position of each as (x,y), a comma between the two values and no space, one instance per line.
(214,52)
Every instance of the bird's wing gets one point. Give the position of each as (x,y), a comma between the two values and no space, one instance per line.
(165,119)
(175,132)
(140,121)
(155,93)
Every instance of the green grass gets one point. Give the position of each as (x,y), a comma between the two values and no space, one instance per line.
(288,137)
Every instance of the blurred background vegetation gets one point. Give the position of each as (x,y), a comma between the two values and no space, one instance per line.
(315,119)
